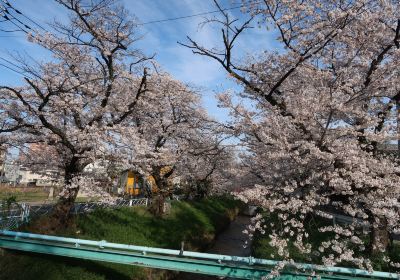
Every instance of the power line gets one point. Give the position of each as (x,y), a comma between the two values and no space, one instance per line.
(144,23)
(194,15)
(10,31)
(9,68)
(10,17)
(12,63)
(22,14)
(20,22)
(25,71)
(13,18)
(20,28)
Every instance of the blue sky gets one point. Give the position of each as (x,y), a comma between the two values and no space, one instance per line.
(160,38)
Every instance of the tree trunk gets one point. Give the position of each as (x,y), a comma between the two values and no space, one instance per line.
(379,237)
(62,210)
(158,203)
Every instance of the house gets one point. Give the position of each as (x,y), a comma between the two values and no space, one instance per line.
(132,183)
(17,174)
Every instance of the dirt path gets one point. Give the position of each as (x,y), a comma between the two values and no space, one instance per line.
(229,242)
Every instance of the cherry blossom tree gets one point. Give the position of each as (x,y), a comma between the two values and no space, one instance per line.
(177,134)
(210,164)
(324,105)
(79,102)
(99,103)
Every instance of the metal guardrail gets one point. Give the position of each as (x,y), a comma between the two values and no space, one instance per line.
(349,220)
(178,260)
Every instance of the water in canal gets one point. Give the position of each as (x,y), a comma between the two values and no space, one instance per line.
(229,242)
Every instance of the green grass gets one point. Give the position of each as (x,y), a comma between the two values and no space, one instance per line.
(24,194)
(33,194)
(262,249)
(196,223)
(86,199)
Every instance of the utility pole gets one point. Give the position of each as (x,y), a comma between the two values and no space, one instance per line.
(2,163)
(16,175)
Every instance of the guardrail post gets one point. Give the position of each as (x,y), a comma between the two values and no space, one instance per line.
(182,246)
(251,260)
(102,243)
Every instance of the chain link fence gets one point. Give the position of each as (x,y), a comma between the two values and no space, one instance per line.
(12,215)
(15,214)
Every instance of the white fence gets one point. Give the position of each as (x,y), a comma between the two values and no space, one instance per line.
(90,206)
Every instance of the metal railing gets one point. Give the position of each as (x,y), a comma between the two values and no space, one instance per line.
(179,260)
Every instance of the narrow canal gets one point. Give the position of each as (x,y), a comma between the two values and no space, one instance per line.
(229,242)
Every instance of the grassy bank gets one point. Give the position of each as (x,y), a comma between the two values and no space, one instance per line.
(33,194)
(24,194)
(196,223)
(261,247)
